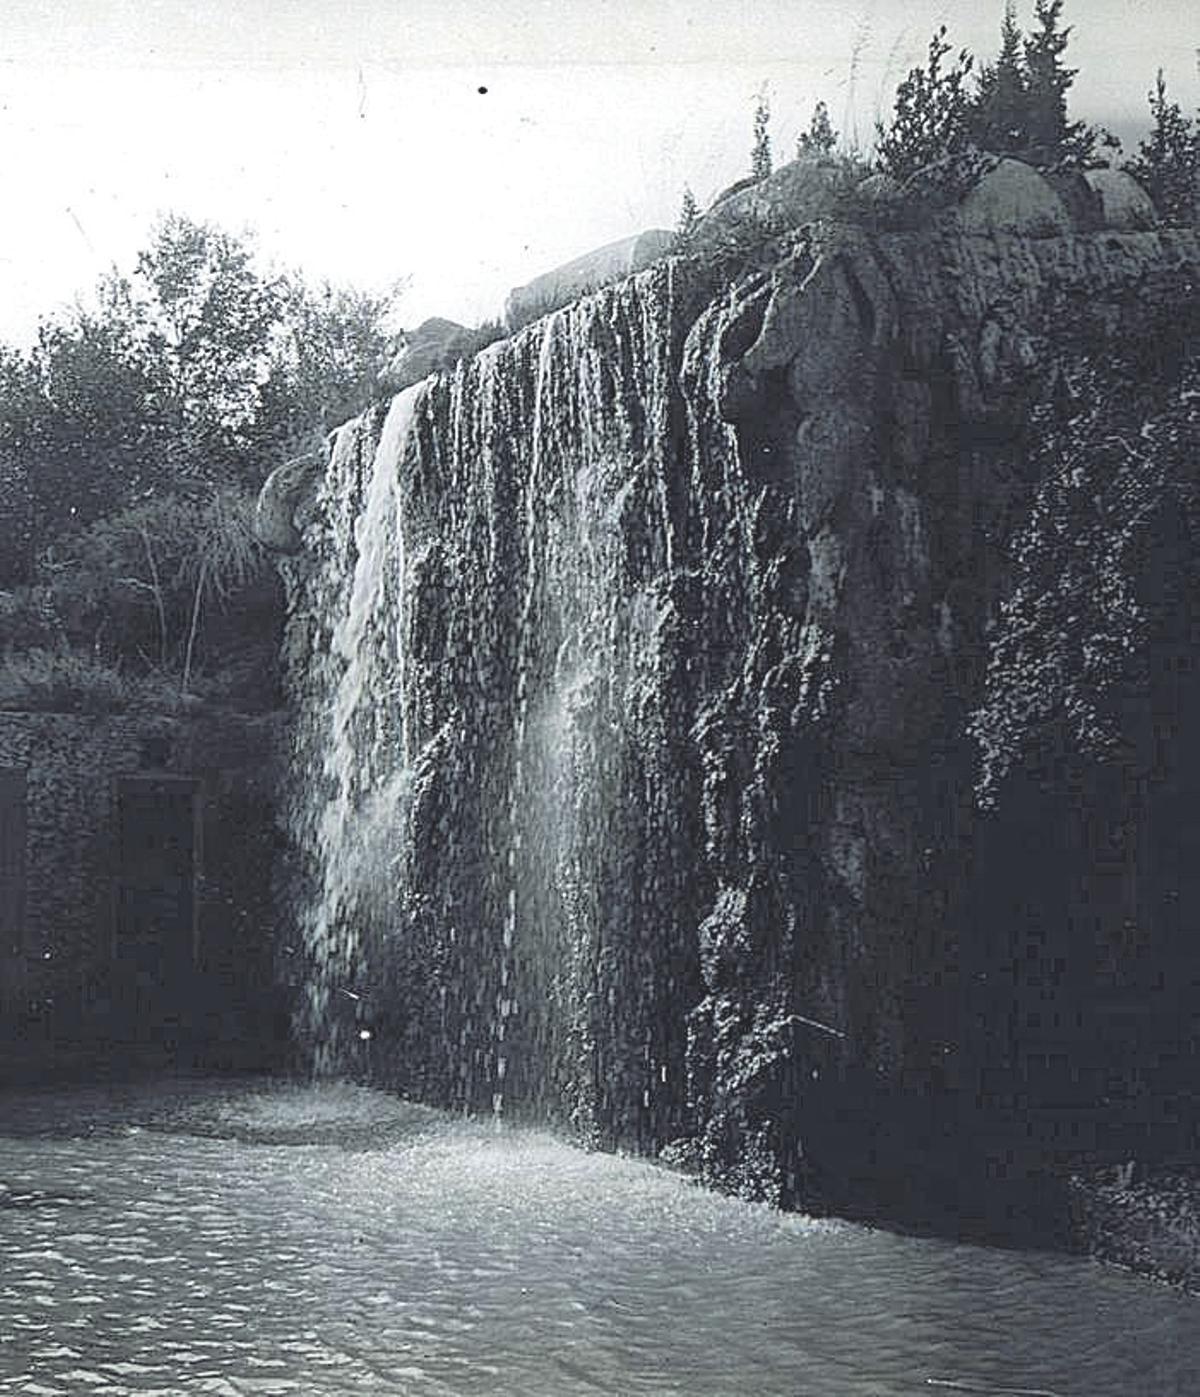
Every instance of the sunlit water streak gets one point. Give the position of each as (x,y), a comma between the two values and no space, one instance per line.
(424,1255)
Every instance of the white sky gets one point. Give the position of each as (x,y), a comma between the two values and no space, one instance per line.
(351,134)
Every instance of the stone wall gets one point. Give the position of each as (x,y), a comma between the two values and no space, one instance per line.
(56,960)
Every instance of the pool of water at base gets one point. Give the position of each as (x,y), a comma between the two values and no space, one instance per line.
(279,1239)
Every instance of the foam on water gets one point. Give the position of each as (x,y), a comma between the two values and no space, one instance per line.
(469,1259)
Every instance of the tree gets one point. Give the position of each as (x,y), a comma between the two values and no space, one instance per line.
(192,372)
(325,361)
(760,155)
(931,116)
(1000,114)
(1167,163)
(1051,138)
(206,317)
(689,217)
(80,420)
(820,138)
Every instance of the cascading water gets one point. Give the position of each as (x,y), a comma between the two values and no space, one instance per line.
(559,690)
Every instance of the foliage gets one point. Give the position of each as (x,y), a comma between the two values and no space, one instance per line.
(60,681)
(16,521)
(1167,163)
(1000,115)
(1073,629)
(820,139)
(931,117)
(195,373)
(689,217)
(80,422)
(1018,108)
(760,154)
(136,584)
(328,350)
(1052,139)
(204,318)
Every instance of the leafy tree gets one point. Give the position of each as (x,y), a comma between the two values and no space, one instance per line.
(326,356)
(820,138)
(16,523)
(1167,163)
(194,372)
(689,217)
(80,421)
(1000,115)
(760,155)
(206,319)
(931,116)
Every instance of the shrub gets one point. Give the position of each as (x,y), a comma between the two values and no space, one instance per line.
(61,681)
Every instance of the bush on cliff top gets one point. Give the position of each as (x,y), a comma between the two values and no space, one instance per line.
(1018,107)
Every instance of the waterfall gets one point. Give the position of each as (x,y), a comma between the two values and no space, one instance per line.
(551,659)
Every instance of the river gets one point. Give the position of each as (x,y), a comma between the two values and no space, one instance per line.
(251,1238)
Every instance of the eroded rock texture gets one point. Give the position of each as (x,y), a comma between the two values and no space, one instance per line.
(632,664)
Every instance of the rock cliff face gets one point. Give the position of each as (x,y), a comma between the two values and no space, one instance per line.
(632,665)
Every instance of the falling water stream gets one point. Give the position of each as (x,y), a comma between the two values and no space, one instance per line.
(558,658)
(197,1238)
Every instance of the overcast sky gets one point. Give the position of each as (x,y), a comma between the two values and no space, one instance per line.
(353,135)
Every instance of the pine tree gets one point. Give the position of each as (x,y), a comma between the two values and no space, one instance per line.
(1052,139)
(689,217)
(820,138)
(1168,161)
(1000,114)
(931,117)
(760,156)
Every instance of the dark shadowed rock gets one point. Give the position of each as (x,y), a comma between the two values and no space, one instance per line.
(695,584)
(1079,198)
(1125,205)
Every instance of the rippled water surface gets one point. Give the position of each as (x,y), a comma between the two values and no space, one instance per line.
(336,1241)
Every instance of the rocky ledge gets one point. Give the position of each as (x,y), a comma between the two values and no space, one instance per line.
(1146,1220)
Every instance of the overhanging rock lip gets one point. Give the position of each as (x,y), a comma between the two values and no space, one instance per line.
(274,523)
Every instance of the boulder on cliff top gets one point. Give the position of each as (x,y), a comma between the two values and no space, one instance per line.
(797,193)
(1013,198)
(1126,205)
(594,269)
(423,350)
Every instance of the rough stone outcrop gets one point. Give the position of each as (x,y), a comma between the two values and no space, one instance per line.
(278,498)
(563,284)
(1125,204)
(424,349)
(664,707)
(796,193)
(1013,198)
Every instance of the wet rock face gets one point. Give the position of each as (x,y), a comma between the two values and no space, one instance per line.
(630,666)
